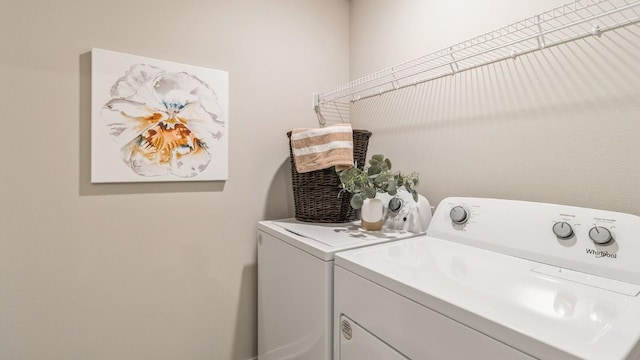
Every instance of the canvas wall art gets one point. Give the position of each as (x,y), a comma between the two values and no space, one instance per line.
(155,120)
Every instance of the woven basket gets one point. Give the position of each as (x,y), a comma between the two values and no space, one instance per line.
(315,193)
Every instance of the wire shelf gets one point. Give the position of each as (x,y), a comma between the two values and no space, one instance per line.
(569,22)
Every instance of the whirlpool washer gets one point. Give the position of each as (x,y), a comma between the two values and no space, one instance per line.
(495,279)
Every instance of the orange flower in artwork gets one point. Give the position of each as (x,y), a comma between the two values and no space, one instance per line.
(167,122)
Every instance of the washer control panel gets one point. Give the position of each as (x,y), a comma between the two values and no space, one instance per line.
(598,242)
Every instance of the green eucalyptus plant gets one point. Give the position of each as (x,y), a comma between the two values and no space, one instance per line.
(377,177)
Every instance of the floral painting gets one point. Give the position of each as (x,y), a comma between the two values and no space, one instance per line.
(155,120)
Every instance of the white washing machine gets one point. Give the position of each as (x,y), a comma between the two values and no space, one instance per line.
(495,279)
(295,284)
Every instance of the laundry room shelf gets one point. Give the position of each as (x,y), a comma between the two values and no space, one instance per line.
(572,21)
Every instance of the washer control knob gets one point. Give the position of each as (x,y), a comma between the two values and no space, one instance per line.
(600,235)
(395,204)
(562,230)
(459,215)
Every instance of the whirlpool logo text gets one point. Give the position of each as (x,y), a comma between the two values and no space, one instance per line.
(601,254)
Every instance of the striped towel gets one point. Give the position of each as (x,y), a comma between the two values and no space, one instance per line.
(317,149)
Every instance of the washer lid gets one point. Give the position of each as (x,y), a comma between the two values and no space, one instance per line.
(323,240)
(510,299)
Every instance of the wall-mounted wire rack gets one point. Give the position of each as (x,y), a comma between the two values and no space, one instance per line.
(572,21)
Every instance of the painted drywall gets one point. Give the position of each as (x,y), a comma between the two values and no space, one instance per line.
(147,271)
(559,125)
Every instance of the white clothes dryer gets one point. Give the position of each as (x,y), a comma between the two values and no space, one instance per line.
(495,279)
(295,284)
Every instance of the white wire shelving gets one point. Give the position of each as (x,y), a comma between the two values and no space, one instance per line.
(571,21)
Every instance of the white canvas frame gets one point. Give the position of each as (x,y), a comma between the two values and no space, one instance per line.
(114,79)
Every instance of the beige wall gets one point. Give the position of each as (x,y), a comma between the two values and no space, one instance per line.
(147,271)
(559,125)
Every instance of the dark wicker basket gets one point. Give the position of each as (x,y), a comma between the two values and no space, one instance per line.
(315,193)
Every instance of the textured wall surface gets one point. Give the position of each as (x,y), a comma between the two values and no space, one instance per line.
(156,270)
(559,125)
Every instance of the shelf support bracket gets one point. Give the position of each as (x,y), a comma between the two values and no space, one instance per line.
(316,101)
(321,120)
(394,83)
(453,64)
(540,37)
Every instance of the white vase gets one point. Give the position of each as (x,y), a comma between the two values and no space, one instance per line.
(371,214)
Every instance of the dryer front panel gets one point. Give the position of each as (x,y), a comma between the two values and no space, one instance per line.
(410,329)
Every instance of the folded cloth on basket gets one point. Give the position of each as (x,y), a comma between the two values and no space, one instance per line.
(317,149)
